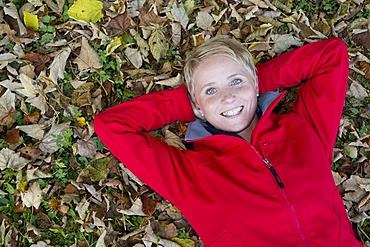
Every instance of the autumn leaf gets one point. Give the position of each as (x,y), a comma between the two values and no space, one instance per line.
(12,136)
(120,24)
(86,10)
(158,46)
(53,140)
(97,170)
(12,160)
(32,197)
(284,42)
(53,84)
(180,15)
(88,58)
(149,203)
(149,17)
(32,118)
(7,108)
(134,56)
(34,130)
(204,20)
(30,153)
(58,65)
(87,148)
(33,91)
(39,61)
(30,20)
(113,45)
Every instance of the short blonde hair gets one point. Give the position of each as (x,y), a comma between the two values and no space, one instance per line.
(220,45)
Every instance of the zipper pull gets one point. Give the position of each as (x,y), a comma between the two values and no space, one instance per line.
(274,172)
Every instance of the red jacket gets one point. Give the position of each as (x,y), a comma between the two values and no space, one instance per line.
(278,189)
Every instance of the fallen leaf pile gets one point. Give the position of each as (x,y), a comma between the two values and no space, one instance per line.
(63,61)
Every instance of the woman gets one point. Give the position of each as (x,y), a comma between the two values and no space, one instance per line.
(253,178)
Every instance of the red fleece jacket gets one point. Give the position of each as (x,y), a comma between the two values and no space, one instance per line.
(276,190)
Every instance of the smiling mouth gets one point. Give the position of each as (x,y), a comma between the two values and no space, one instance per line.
(232,112)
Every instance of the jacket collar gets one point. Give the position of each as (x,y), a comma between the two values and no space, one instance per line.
(199,129)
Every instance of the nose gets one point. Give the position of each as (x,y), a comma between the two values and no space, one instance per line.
(228,96)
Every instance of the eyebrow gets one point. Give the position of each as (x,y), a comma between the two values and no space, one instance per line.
(207,85)
(229,77)
(236,74)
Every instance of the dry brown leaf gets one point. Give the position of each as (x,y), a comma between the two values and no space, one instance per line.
(171,82)
(365,67)
(34,130)
(58,65)
(30,153)
(11,10)
(357,90)
(149,17)
(32,118)
(6,59)
(134,57)
(235,14)
(71,189)
(38,60)
(87,148)
(32,197)
(63,209)
(173,140)
(204,21)
(120,24)
(283,42)
(260,31)
(12,136)
(88,58)
(179,14)
(49,143)
(7,108)
(149,203)
(12,160)
(43,220)
(11,33)
(176,33)
(82,208)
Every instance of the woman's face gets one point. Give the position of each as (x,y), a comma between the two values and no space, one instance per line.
(225,93)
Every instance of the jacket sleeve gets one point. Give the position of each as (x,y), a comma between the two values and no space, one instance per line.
(321,70)
(123,129)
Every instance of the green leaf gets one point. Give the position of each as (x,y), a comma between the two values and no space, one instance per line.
(98,169)
(158,46)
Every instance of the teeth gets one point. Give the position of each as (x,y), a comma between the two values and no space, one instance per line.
(232,112)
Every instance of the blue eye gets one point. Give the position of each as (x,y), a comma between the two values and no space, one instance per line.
(211,91)
(236,82)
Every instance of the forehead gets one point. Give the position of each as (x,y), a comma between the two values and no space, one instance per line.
(218,66)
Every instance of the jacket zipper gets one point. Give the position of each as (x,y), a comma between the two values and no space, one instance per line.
(288,202)
(274,172)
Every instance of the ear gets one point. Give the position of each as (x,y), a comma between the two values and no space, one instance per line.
(197,111)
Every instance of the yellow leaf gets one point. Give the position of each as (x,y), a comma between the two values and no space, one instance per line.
(184,242)
(86,10)
(81,121)
(116,43)
(30,20)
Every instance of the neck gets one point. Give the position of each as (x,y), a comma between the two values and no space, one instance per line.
(247,132)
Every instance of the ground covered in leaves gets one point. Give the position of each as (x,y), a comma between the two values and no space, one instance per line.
(62,62)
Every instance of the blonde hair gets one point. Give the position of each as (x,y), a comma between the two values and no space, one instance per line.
(219,45)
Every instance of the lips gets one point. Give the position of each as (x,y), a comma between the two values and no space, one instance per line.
(232,112)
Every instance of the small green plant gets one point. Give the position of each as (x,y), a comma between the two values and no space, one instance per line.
(61,176)
(182,233)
